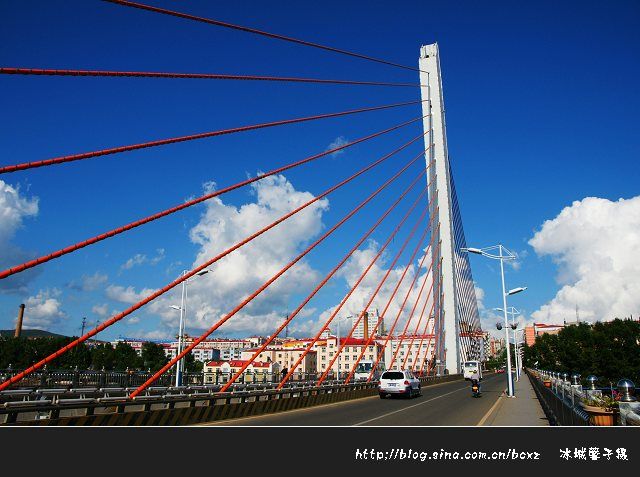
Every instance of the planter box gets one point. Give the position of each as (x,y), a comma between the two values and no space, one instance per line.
(600,417)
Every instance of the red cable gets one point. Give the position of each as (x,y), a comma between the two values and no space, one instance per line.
(258,32)
(433,327)
(295,312)
(417,329)
(212,76)
(386,308)
(188,275)
(173,140)
(353,327)
(404,332)
(406,327)
(400,310)
(266,284)
(366,307)
(424,358)
(354,287)
(111,233)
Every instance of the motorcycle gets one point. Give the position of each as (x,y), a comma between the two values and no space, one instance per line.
(475,388)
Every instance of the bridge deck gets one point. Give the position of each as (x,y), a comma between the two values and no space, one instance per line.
(447,404)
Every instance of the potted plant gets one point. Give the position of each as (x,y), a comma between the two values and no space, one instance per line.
(602,410)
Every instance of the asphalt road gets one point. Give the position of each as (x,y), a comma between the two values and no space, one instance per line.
(447,404)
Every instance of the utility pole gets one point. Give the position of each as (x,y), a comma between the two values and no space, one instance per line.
(84,322)
(286,330)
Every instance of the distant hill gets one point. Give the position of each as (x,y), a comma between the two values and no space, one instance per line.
(32,333)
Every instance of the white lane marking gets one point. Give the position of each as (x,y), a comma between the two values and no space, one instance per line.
(409,407)
(486,416)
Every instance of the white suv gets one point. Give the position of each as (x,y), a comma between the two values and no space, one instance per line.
(401,382)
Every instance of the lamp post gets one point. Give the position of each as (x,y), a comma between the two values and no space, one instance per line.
(183,312)
(503,254)
(513,312)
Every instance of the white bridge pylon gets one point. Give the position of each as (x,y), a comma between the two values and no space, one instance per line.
(457,324)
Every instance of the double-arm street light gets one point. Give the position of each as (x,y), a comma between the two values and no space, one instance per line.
(514,326)
(502,254)
(183,311)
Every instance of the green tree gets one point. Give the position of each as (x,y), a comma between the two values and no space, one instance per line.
(125,357)
(103,356)
(191,365)
(609,350)
(153,356)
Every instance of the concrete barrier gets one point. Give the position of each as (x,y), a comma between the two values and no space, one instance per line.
(176,411)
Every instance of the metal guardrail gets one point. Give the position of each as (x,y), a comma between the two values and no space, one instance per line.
(562,400)
(74,378)
(114,406)
(561,405)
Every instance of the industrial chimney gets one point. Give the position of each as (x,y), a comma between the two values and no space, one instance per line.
(19,323)
(366,325)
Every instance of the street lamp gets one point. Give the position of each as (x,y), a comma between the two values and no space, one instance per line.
(513,312)
(183,312)
(503,254)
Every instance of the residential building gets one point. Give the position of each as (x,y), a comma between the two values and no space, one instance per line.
(285,357)
(352,347)
(218,372)
(413,351)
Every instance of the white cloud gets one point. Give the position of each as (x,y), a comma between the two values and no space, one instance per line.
(127,295)
(14,208)
(233,278)
(595,244)
(141,259)
(156,335)
(158,258)
(137,259)
(337,142)
(43,309)
(479,297)
(352,270)
(89,282)
(101,310)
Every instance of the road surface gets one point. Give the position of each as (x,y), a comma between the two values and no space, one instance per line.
(446,404)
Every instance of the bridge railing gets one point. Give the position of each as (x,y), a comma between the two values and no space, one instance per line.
(74,378)
(112,405)
(563,401)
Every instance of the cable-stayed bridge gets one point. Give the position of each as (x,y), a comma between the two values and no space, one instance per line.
(437,311)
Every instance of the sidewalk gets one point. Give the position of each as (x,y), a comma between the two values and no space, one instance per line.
(522,410)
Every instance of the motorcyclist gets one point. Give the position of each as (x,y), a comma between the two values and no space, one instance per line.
(475,380)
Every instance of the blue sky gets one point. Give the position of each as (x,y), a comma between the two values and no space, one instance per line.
(541,102)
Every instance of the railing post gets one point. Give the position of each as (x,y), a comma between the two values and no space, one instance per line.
(76,377)
(43,376)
